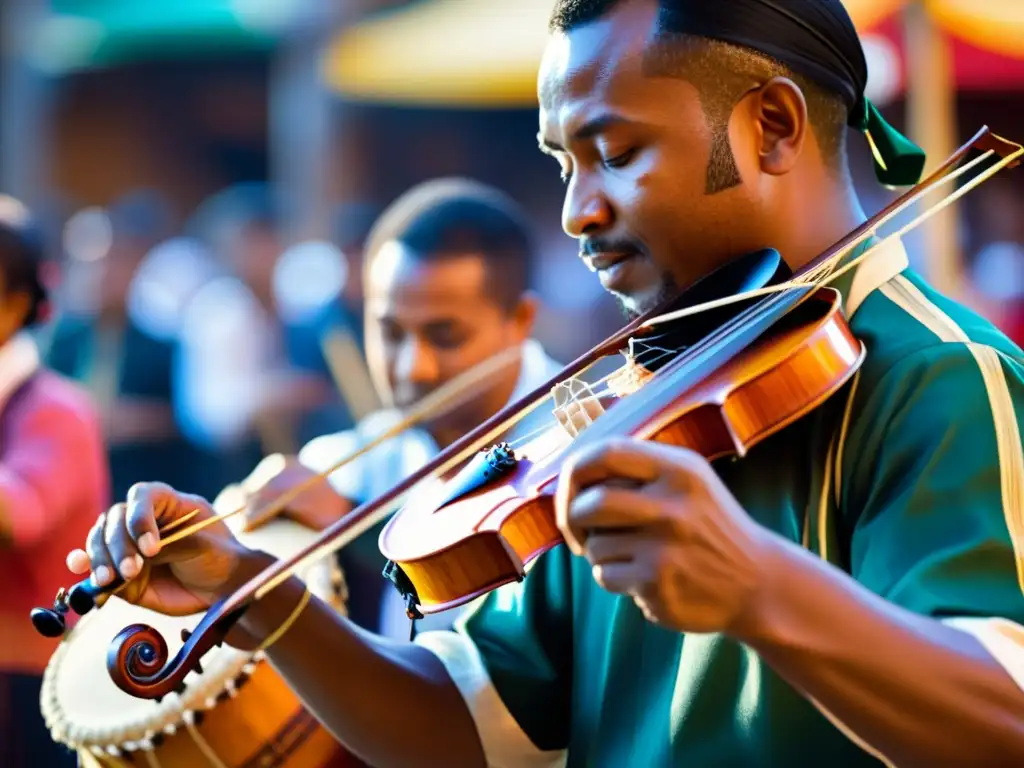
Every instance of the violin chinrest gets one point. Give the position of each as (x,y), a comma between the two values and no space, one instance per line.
(757,269)
(749,272)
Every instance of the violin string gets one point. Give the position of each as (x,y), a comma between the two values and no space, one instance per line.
(630,371)
(596,394)
(178,523)
(825,272)
(262,584)
(428,406)
(835,258)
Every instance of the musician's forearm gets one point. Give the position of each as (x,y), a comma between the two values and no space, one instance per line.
(391,704)
(919,692)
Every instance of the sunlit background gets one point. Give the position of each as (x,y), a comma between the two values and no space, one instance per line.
(206,171)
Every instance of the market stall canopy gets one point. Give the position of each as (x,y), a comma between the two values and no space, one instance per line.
(454,52)
(485,53)
(82,34)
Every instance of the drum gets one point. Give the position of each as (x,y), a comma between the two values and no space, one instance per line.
(237,713)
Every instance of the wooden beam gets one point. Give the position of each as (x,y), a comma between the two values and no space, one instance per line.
(932,123)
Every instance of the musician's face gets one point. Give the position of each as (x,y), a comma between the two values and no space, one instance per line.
(428,320)
(634,151)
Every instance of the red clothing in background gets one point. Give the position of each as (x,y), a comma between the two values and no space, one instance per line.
(54,482)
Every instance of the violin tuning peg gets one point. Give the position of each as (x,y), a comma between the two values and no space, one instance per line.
(198,668)
(47,622)
(82,597)
(180,688)
(185,635)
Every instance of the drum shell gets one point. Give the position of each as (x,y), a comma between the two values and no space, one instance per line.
(263,726)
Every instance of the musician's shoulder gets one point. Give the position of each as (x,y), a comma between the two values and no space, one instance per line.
(907,323)
(328,449)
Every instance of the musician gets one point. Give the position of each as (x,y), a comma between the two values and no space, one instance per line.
(447,278)
(53,479)
(848,593)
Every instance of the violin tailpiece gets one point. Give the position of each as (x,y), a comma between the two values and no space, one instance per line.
(485,467)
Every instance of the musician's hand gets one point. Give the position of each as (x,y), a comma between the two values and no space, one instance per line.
(657,524)
(180,579)
(317,506)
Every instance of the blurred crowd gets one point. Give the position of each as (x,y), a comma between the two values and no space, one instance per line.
(206,343)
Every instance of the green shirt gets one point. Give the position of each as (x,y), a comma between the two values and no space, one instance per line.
(911,480)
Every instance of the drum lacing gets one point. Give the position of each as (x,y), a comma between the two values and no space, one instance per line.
(190,723)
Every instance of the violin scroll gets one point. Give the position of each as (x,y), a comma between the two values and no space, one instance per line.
(139,662)
(137,653)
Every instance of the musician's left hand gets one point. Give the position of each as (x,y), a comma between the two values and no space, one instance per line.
(658,525)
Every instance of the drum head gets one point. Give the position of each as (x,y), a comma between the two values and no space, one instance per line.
(85,709)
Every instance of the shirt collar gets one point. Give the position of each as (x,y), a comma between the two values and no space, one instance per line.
(888,260)
(535,368)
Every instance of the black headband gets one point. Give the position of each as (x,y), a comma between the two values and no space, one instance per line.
(816,39)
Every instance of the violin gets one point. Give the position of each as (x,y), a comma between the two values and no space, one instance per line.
(760,349)
(497,515)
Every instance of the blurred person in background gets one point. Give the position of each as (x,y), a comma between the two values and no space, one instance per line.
(995,273)
(318,295)
(447,282)
(238,393)
(997,281)
(53,482)
(113,351)
(353,222)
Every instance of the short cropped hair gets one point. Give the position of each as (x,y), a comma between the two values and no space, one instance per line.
(456,216)
(721,72)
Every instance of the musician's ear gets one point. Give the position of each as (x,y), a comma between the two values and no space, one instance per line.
(524,315)
(780,111)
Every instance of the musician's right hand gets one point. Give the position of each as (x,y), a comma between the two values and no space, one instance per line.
(317,506)
(183,578)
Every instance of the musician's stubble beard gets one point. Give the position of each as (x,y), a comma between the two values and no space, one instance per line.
(668,288)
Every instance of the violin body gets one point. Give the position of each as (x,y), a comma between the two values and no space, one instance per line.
(484,528)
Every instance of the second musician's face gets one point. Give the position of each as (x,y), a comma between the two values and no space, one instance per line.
(633,150)
(429,320)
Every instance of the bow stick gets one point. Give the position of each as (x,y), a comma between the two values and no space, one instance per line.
(86,595)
